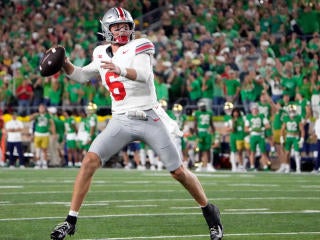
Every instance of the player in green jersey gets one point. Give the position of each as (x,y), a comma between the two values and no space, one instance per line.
(204,128)
(292,136)
(228,106)
(181,119)
(43,127)
(71,136)
(256,124)
(237,129)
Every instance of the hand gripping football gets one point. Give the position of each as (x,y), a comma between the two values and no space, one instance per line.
(52,61)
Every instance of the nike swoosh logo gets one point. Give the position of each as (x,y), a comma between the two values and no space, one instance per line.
(156,119)
(125,51)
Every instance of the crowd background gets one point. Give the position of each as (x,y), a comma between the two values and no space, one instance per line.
(206,51)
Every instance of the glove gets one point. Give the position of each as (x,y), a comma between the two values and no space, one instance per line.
(301,141)
(281,140)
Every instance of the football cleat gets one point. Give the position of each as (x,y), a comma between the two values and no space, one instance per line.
(216,233)
(211,214)
(62,230)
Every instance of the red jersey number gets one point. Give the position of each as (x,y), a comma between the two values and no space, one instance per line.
(116,88)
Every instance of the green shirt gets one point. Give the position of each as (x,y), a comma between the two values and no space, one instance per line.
(69,125)
(292,125)
(278,119)
(301,107)
(59,124)
(256,123)
(203,119)
(42,123)
(238,125)
(195,92)
(265,109)
(231,86)
(89,122)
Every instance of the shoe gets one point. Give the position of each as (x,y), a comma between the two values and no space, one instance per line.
(216,233)
(141,168)
(211,169)
(62,230)
(211,214)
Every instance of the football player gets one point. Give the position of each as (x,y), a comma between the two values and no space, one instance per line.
(125,67)
(292,136)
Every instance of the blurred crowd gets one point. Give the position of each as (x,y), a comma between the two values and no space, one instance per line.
(213,52)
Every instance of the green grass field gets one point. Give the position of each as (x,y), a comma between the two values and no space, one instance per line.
(151,205)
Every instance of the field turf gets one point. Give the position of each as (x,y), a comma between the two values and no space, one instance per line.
(134,204)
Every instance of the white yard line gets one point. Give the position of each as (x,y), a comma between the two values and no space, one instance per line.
(169,214)
(99,203)
(202,235)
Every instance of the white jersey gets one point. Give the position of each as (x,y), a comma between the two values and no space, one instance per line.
(126,94)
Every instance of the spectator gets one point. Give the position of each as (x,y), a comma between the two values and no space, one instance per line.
(218,95)
(55,92)
(247,91)
(37,93)
(232,84)
(24,95)
(194,88)
(14,129)
(7,99)
(73,93)
(276,88)
(207,89)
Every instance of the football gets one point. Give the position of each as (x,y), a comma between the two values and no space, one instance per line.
(52,61)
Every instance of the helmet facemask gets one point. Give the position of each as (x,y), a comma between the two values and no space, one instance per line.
(117,16)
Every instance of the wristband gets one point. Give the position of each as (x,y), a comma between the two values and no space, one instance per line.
(123,72)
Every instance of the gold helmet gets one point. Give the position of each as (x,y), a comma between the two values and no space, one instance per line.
(228,106)
(292,109)
(163,104)
(177,108)
(91,108)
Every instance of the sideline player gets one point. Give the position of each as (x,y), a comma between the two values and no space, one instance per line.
(125,67)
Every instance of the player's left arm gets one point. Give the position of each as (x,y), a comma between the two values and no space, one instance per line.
(301,128)
(140,70)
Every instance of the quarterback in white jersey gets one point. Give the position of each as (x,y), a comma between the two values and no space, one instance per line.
(125,67)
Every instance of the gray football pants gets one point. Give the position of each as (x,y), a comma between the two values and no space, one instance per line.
(121,130)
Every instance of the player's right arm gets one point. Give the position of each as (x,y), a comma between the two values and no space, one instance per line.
(80,74)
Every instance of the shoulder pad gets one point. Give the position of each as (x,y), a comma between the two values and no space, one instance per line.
(100,51)
(144,45)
